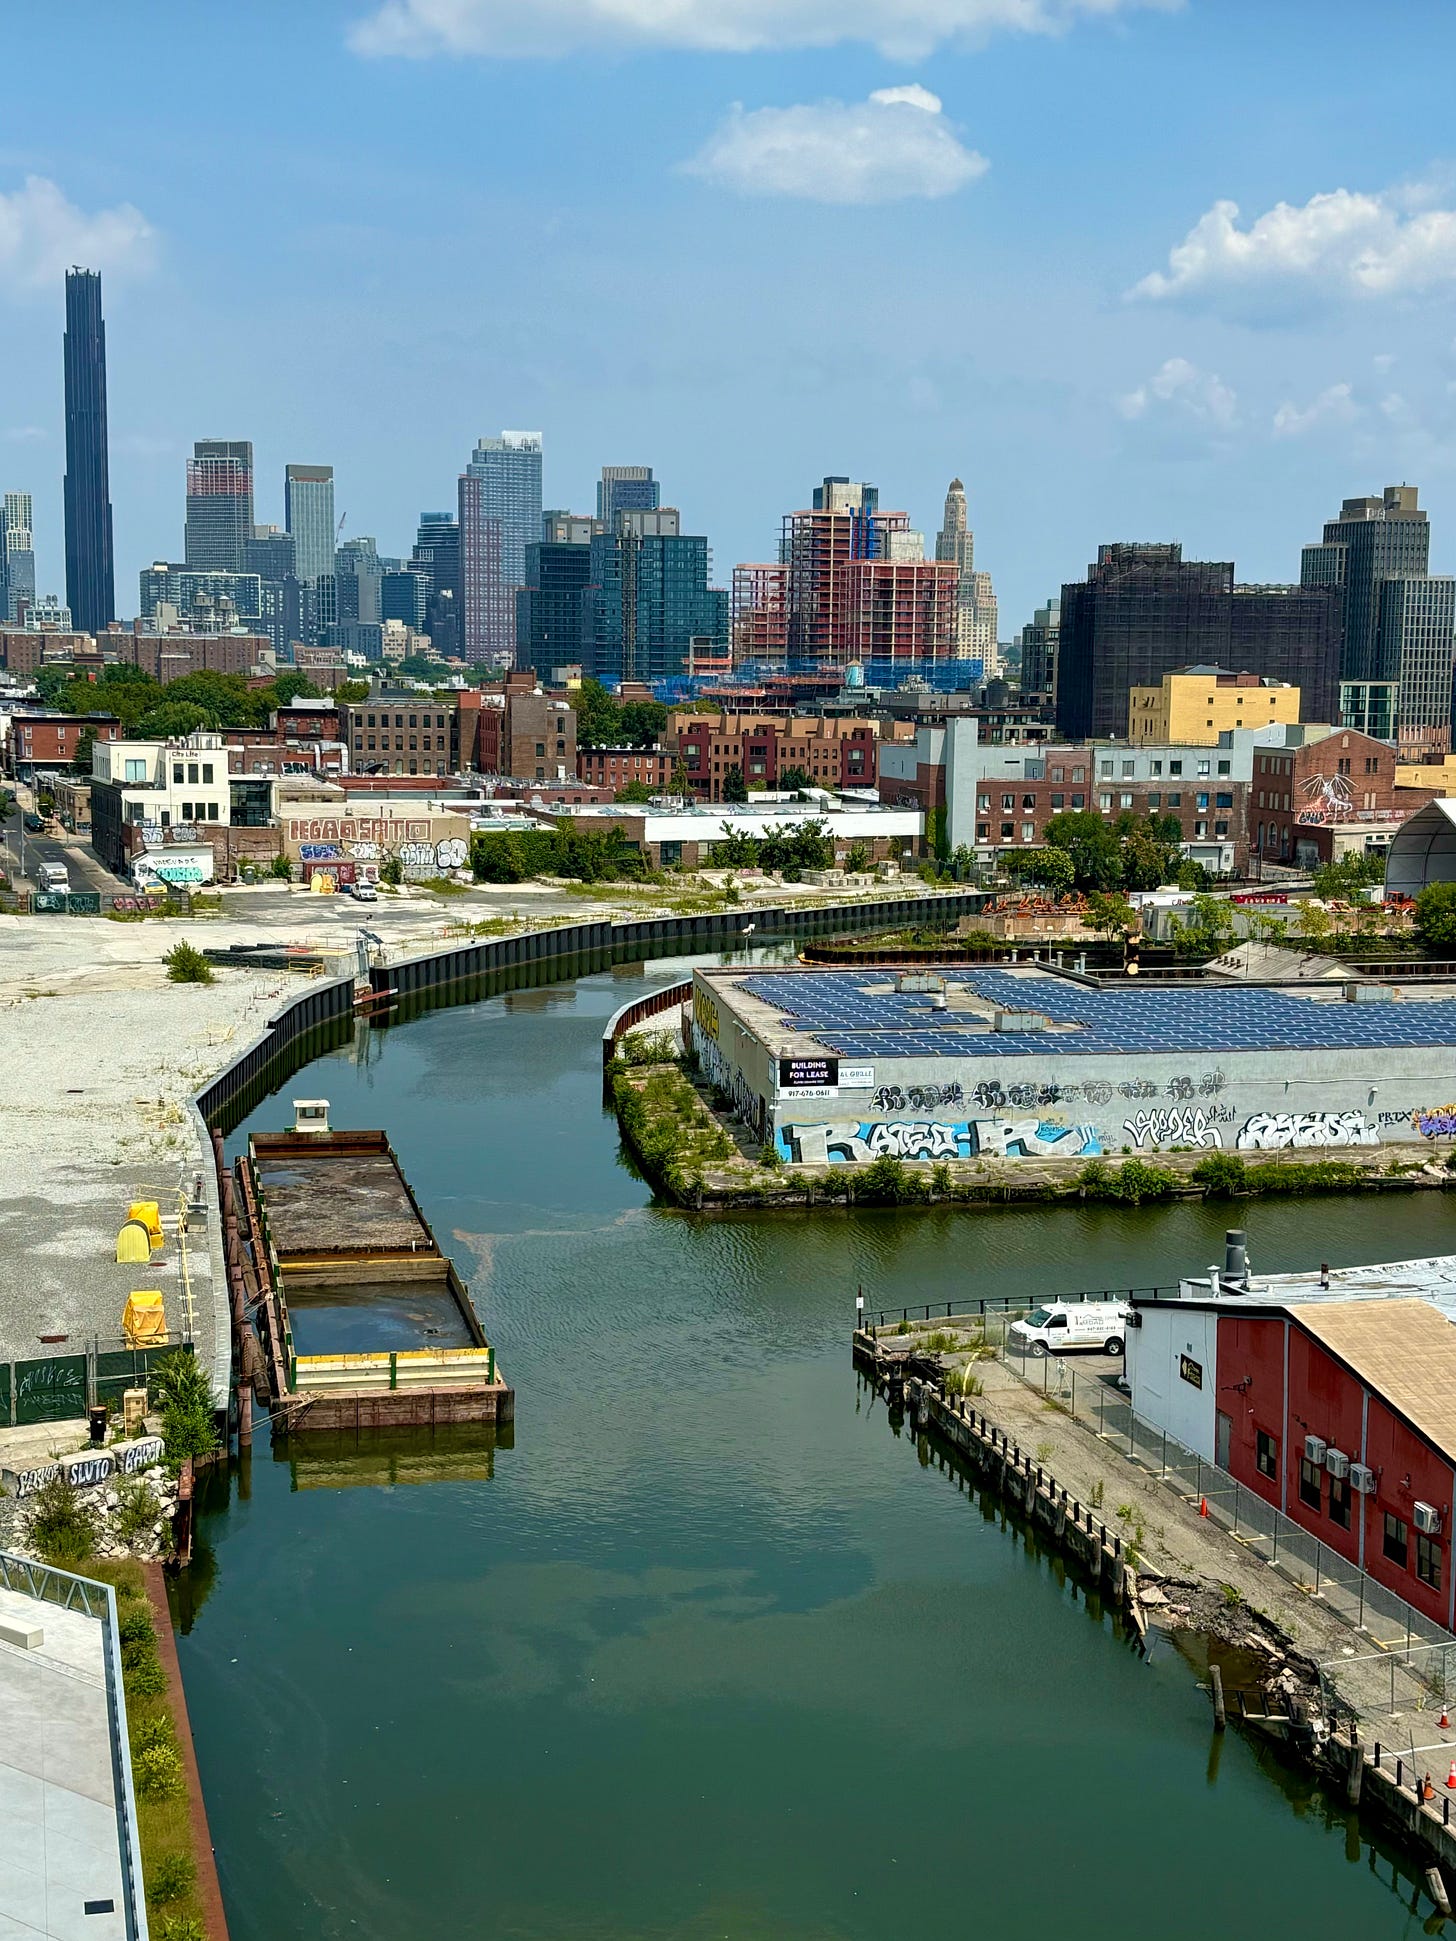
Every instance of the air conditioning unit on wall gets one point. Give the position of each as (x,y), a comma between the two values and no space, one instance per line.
(1337,1462)
(1362,1480)
(1427,1519)
(1315,1448)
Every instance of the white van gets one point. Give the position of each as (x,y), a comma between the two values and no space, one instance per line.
(53,876)
(1060,1325)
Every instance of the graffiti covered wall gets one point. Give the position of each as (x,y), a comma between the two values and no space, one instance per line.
(857,1141)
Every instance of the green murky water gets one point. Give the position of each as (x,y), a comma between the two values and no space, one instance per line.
(709,1651)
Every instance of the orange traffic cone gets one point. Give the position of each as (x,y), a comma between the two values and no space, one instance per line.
(1445,1722)
(1428,1791)
(1203,1506)
(1451,1777)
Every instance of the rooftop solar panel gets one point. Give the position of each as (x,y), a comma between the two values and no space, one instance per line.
(832,1005)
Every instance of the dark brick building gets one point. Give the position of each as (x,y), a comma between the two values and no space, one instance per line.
(1144,611)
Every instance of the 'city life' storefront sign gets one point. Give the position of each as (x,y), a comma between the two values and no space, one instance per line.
(88,1469)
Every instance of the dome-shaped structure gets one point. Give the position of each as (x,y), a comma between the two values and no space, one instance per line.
(1423,850)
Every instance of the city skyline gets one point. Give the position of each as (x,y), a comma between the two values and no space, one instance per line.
(1098,353)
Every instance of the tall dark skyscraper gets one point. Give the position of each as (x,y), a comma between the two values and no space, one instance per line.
(90,578)
(1372,541)
(1144,611)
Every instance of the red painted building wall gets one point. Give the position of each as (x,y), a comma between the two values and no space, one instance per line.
(1327,1399)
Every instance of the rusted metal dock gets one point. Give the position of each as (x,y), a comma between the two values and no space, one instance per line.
(362,1319)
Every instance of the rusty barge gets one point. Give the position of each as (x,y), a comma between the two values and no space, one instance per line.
(361,1320)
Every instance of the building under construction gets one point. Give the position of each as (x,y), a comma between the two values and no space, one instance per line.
(852,585)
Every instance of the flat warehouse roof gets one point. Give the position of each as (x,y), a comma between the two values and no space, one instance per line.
(860,1013)
(1404,1350)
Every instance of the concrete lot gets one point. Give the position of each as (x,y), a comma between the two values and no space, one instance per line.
(60,1844)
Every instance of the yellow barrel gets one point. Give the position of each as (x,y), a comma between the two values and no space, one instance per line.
(148,1212)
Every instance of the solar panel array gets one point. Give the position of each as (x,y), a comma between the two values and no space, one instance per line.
(830,1007)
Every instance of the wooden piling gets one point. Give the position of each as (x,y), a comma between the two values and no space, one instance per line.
(1436,1888)
(1215,1683)
(1355,1773)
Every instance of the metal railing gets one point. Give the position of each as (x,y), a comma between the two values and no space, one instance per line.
(1396,1627)
(64,1588)
(1003,1304)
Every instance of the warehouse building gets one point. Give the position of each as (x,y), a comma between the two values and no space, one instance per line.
(1331,1395)
(1023,1061)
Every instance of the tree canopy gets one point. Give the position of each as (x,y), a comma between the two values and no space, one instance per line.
(602,721)
(1436,916)
(1134,852)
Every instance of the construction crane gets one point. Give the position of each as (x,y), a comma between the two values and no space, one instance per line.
(339,529)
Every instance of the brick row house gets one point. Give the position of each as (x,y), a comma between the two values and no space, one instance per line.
(835,753)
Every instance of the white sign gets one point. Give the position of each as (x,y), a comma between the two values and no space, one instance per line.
(797,1092)
(856,1078)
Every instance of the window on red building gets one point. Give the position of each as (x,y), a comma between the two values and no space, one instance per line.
(1397,1540)
(1266,1454)
(1310,1479)
(1340,1501)
(1428,1561)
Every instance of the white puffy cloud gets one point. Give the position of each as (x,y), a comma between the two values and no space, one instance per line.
(1181,390)
(1392,243)
(896,144)
(1335,405)
(904,29)
(42,235)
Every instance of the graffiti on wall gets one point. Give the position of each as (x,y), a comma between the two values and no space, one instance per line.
(917,1098)
(992,1096)
(1434,1121)
(1178,1125)
(856,1141)
(733,1093)
(1300,1131)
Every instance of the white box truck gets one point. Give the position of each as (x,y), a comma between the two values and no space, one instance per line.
(1063,1325)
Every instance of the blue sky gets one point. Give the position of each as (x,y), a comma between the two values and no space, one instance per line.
(750,242)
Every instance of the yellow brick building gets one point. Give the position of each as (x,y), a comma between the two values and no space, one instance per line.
(1195,705)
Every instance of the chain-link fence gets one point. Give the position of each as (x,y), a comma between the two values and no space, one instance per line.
(1413,1640)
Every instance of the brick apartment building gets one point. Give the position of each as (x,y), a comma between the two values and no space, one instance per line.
(1210,808)
(1343,777)
(399,734)
(42,741)
(614,768)
(834,752)
(517,730)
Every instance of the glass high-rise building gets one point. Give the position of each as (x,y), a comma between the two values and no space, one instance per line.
(549,608)
(17,555)
(1373,540)
(500,516)
(626,488)
(90,575)
(219,504)
(648,596)
(308,513)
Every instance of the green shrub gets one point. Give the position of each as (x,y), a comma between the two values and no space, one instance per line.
(155,1731)
(188,1431)
(62,1527)
(182,1927)
(187,965)
(134,1625)
(136,1512)
(770,1156)
(281,868)
(177,1378)
(171,1878)
(145,1678)
(1221,1174)
(158,1772)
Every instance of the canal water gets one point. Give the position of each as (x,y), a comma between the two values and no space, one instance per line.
(709,1650)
